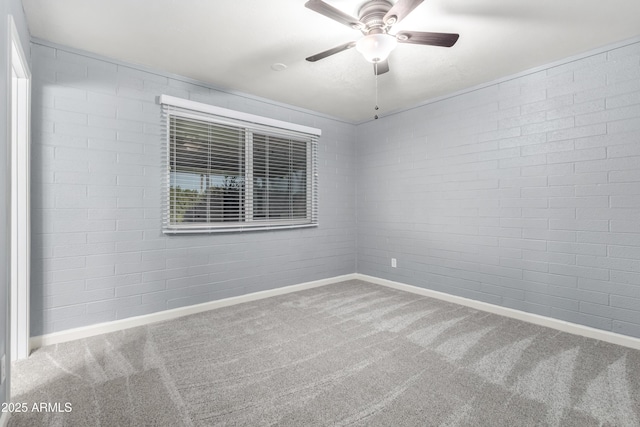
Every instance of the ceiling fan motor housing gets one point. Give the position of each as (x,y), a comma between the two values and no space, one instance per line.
(372,13)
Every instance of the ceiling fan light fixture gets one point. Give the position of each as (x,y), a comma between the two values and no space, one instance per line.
(376,47)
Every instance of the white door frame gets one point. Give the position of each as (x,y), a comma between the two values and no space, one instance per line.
(19,92)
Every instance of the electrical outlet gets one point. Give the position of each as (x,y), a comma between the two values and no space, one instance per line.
(3,369)
(394,264)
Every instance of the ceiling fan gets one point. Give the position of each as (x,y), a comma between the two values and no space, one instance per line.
(375,19)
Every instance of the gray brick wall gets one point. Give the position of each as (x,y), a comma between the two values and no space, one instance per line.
(524,194)
(98,251)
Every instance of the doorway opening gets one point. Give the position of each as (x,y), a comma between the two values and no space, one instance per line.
(19,123)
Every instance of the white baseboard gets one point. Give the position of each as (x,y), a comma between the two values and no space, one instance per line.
(102,328)
(132,322)
(561,325)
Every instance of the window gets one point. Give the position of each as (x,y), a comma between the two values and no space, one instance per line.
(230,171)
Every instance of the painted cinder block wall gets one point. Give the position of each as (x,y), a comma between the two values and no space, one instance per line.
(523,193)
(98,250)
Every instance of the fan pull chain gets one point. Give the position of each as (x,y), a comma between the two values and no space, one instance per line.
(376,73)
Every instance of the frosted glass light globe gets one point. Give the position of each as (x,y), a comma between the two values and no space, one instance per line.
(376,47)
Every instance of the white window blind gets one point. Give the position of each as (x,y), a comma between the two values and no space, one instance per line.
(231,171)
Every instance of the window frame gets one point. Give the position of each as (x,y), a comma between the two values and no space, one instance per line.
(249,125)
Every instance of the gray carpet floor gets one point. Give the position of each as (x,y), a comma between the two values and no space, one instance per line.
(351,353)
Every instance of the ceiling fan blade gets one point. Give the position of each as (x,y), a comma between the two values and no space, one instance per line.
(337,15)
(381,67)
(400,10)
(337,49)
(431,39)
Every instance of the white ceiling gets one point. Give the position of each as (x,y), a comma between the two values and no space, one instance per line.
(232,44)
